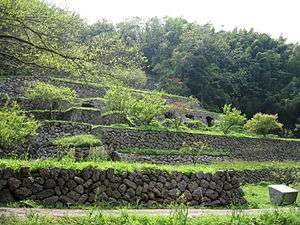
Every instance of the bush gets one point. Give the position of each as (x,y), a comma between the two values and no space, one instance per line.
(42,92)
(263,124)
(82,140)
(144,110)
(230,118)
(141,110)
(118,98)
(196,124)
(15,126)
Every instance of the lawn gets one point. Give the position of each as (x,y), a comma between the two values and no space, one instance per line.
(257,195)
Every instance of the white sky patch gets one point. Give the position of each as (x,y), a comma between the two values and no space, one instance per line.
(275,17)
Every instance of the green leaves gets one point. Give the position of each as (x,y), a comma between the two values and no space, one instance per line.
(15,126)
(263,124)
(230,118)
(141,109)
(38,37)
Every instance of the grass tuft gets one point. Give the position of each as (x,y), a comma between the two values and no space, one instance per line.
(81,140)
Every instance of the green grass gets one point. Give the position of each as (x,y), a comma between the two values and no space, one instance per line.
(172,152)
(127,166)
(257,195)
(77,141)
(178,218)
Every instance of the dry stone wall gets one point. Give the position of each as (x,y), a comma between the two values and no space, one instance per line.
(170,159)
(39,147)
(241,148)
(57,185)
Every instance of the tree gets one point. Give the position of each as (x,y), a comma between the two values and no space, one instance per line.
(141,109)
(35,36)
(263,124)
(144,110)
(230,118)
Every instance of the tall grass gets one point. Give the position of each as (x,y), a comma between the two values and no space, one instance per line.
(179,218)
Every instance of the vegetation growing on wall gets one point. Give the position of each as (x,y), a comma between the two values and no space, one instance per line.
(82,140)
(47,93)
(15,126)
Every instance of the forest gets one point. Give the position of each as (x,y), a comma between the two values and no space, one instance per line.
(252,71)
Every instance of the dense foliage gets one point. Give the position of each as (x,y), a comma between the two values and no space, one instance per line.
(253,71)
(263,124)
(15,126)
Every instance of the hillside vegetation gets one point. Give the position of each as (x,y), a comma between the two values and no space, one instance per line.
(254,71)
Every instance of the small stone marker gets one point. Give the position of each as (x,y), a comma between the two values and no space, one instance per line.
(281,194)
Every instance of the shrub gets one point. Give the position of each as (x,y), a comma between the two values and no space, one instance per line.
(15,126)
(144,110)
(230,118)
(196,124)
(118,98)
(82,140)
(263,124)
(42,92)
(141,110)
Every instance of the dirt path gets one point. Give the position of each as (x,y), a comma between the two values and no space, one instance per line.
(22,212)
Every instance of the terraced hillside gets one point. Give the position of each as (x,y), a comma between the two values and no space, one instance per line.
(91,154)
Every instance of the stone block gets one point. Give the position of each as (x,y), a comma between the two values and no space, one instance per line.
(282,195)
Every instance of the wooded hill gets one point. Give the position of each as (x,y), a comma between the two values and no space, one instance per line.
(253,71)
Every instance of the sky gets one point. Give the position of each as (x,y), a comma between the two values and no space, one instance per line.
(274,17)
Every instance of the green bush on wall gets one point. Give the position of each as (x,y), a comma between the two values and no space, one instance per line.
(42,92)
(15,126)
(263,124)
(81,140)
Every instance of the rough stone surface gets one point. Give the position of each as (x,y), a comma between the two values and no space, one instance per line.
(149,187)
(171,159)
(238,147)
(282,194)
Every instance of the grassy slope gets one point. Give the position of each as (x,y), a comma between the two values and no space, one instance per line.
(126,166)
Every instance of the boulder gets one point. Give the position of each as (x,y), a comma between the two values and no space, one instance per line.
(282,194)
